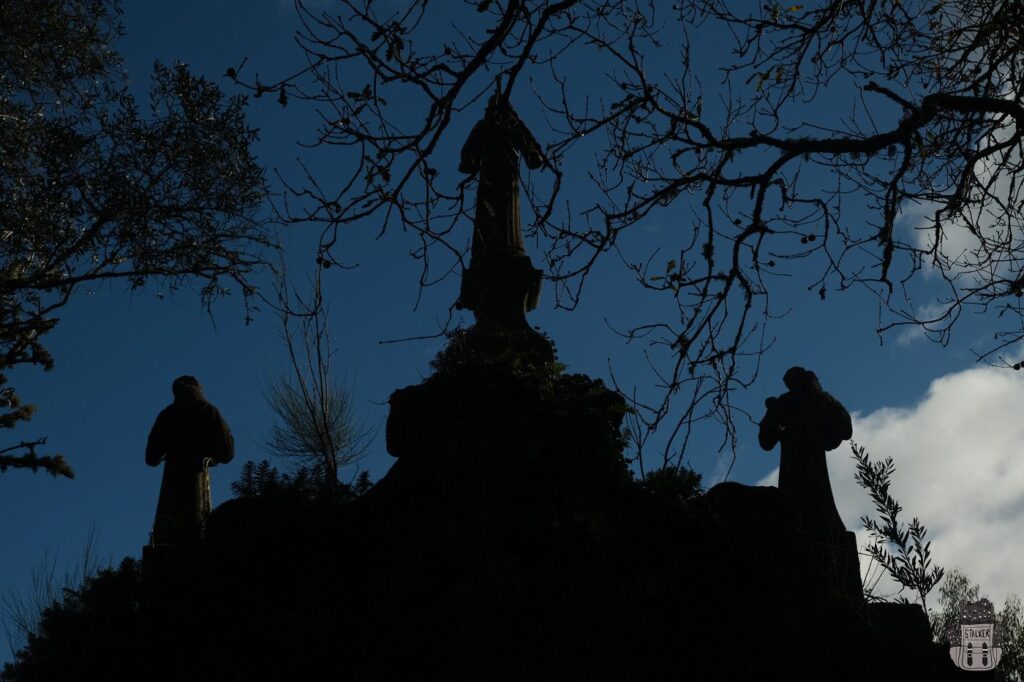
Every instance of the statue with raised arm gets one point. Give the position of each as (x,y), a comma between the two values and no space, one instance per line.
(189,435)
(501,284)
(492,151)
(807,421)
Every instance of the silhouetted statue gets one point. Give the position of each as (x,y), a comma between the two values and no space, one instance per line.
(493,150)
(501,285)
(808,422)
(188,436)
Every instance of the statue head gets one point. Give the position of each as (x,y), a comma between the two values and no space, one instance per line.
(801,380)
(507,128)
(187,388)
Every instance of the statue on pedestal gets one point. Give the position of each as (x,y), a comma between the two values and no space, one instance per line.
(808,422)
(189,435)
(501,283)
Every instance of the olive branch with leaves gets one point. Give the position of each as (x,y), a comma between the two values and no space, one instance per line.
(898,548)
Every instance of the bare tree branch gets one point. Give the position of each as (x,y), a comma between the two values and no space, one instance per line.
(754,187)
(316,425)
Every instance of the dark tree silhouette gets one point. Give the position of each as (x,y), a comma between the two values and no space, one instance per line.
(93,626)
(731,132)
(673,484)
(92,190)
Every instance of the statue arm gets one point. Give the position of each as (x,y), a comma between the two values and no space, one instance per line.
(156,444)
(532,154)
(840,425)
(469,158)
(767,437)
(769,431)
(229,445)
(224,442)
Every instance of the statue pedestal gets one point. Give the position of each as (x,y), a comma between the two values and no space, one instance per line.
(499,290)
(836,557)
(503,286)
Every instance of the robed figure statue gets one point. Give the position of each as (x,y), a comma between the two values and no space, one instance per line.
(492,151)
(500,284)
(189,435)
(808,422)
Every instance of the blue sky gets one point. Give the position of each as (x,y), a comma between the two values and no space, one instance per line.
(117,353)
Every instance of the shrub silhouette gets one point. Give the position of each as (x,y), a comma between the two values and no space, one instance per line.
(93,628)
(673,484)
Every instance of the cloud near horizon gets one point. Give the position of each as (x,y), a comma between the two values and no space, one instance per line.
(959,457)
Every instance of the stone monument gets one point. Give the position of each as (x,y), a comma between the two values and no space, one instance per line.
(189,435)
(501,284)
(808,422)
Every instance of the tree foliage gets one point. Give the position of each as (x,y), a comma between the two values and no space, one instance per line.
(762,125)
(262,480)
(93,190)
(900,550)
(673,484)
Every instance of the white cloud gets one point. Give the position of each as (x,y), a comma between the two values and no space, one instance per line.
(959,457)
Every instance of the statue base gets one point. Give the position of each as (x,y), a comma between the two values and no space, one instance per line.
(500,289)
(836,557)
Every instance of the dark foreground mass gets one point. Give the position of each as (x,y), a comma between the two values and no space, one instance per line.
(509,541)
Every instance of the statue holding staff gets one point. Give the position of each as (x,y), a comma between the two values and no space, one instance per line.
(189,435)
